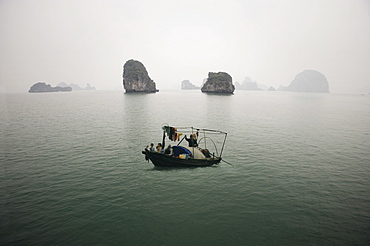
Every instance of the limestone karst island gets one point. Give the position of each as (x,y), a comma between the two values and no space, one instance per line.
(76,87)
(220,82)
(308,81)
(42,87)
(136,78)
(187,85)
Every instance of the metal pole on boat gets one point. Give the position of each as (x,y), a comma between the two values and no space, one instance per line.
(163,139)
(205,141)
(222,149)
(181,141)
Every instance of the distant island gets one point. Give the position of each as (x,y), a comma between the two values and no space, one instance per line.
(248,85)
(187,85)
(42,87)
(136,78)
(308,81)
(220,82)
(76,87)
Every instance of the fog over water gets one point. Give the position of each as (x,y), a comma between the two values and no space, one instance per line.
(269,41)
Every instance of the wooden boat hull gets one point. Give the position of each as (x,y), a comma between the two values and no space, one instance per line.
(162,160)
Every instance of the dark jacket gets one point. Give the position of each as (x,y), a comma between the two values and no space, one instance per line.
(192,142)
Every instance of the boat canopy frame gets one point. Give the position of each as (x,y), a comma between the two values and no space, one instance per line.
(193,130)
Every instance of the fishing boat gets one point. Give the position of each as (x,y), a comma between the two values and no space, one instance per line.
(202,149)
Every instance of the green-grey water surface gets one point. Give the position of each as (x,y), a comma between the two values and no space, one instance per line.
(72,172)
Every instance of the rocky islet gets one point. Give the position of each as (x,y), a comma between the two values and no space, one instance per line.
(220,82)
(43,87)
(136,78)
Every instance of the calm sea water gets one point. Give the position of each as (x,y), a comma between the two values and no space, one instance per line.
(72,172)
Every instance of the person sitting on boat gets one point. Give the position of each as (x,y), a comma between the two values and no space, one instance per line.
(152,147)
(159,147)
(206,153)
(168,150)
(192,140)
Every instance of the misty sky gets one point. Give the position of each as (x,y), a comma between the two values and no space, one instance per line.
(270,41)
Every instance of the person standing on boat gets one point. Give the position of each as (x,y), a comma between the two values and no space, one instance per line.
(192,140)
